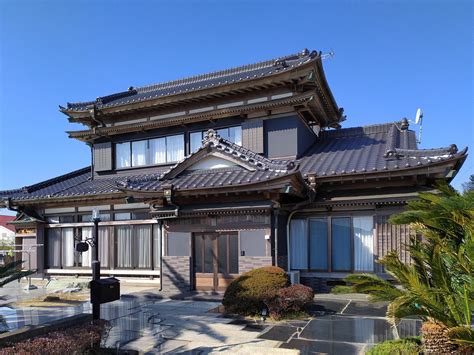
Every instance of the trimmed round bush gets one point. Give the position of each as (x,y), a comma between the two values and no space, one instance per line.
(246,294)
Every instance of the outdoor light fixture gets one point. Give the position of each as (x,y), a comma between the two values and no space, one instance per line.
(95,214)
(264,313)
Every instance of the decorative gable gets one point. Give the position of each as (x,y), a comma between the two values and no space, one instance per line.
(217,153)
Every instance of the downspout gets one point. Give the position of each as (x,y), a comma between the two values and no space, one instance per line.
(295,209)
(162,229)
(288,238)
(92,160)
(276,207)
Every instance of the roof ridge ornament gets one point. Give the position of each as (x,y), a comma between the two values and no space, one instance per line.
(211,135)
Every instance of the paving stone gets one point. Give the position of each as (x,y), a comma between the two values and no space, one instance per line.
(327,307)
(278,333)
(349,329)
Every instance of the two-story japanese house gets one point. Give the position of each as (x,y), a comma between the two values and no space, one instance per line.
(201,179)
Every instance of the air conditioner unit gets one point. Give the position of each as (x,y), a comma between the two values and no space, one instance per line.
(294,277)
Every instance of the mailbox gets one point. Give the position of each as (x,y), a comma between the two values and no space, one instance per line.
(105,290)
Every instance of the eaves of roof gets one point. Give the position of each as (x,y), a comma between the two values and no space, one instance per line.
(189,118)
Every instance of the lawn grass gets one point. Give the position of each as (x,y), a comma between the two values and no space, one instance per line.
(55,300)
(405,346)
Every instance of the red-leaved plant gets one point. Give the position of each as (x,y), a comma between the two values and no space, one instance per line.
(295,298)
(75,340)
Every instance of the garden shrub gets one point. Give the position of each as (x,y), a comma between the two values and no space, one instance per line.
(295,298)
(81,339)
(245,295)
(405,346)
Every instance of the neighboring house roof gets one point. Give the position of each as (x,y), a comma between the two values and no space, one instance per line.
(199,82)
(4,222)
(379,149)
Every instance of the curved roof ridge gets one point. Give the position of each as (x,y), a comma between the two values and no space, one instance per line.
(279,63)
(450,150)
(221,73)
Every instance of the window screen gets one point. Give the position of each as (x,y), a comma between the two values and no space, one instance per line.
(178,244)
(299,244)
(253,242)
(341,244)
(318,243)
(363,243)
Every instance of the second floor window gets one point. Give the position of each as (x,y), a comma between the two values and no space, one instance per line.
(162,150)
(233,134)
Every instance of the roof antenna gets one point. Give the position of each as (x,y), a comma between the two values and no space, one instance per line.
(328,55)
(419,121)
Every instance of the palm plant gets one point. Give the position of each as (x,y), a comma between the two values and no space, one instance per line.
(9,272)
(439,283)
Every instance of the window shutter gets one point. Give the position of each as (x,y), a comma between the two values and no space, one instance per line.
(103,156)
(252,135)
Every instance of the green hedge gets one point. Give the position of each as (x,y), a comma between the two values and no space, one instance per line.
(245,295)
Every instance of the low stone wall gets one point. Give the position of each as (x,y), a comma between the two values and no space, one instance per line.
(247,263)
(176,274)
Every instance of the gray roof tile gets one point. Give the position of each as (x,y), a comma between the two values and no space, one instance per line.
(347,151)
(215,79)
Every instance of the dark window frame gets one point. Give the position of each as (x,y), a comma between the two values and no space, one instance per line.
(131,166)
(330,241)
(135,248)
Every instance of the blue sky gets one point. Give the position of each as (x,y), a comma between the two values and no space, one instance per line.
(390,58)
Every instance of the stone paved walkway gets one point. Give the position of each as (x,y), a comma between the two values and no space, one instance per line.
(148,323)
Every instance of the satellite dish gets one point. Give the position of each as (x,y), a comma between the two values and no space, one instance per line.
(419,116)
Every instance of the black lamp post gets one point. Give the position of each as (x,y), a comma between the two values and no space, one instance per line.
(95,261)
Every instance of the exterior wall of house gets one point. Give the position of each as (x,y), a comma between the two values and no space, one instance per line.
(6,235)
(254,245)
(283,135)
(287,137)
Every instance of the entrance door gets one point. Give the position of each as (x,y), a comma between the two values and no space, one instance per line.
(215,258)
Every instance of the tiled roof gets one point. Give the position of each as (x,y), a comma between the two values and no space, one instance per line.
(200,179)
(74,184)
(336,153)
(376,148)
(199,82)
